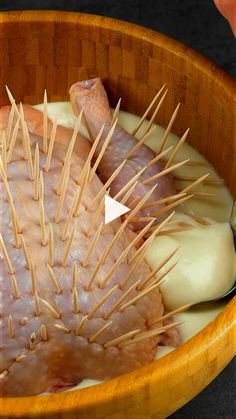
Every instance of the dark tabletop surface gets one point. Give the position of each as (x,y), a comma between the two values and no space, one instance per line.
(198,24)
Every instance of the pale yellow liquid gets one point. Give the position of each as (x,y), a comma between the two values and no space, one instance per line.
(215,269)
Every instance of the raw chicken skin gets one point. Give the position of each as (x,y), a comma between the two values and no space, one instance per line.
(90,96)
(38,351)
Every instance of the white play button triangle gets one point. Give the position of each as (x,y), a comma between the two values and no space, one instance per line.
(113,209)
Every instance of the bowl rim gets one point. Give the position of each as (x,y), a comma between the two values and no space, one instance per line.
(212,336)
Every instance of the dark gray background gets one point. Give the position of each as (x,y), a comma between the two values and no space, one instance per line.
(198,24)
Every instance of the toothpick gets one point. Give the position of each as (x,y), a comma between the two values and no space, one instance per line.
(142,219)
(50,148)
(92,246)
(150,123)
(140,142)
(128,219)
(43,333)
(9,126)
(95,218)
(32,343)
(162,277)
(169,127)
(116,112)
(13,141)
(15,222)
(170,314)
(158,157)
(42,211)
(68,220)
(164,200)
(183,224)
(24,321)
(135,130)
(140,204)
(101,302)
(54,280)
(6,256)
(170,231)
(10,327)
(33,277)
(197,182)
(120,300)
(147,243)
(148,334)
(200,195)
(164,172)
(91,153)
(51,246)
(96,269)
(68,247)
(171,206)
(4,152)
(75,205)
(138,260)
(37,307)
(45,122)
(61,327)
(28,151)
(20,358)
(52,310)
(9,195)
(100,331)
(121,258)
(12,100)
(16,293)
(128,194)
(75,301)
(36,173)
(138,297)
(129,183)
(69,153)
(81,191)
(116,341)
(158,267)
(149,240)
(15,227)
(3,374)
(182,227)
(199,220)
(81,324)
(24,136)
(177,147)
(106,185)
(62,195)
(193,163)
(25,251)
(103,149)
(74,275)
(210,182)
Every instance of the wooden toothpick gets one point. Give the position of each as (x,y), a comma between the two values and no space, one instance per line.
(51,246)
(36,173)
(6,255)
(50,148)
(45,122)
(135,130)
(169,127)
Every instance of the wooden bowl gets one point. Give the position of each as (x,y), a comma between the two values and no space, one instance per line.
(54,49)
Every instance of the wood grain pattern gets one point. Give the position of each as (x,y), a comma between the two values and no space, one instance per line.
(52,50)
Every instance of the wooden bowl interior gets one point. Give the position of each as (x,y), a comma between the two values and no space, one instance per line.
(52,50)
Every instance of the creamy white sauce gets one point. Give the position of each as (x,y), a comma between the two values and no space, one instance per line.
(206,258)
